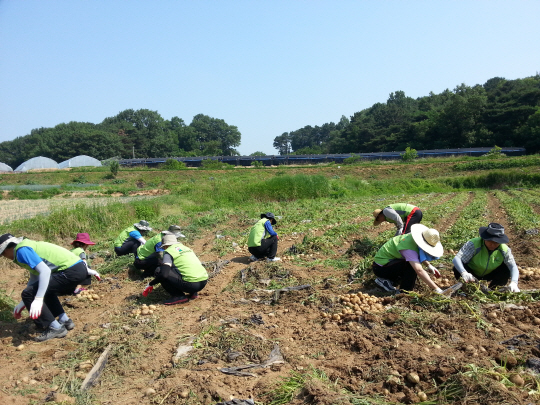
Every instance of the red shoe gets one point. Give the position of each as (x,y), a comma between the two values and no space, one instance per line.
(176,300)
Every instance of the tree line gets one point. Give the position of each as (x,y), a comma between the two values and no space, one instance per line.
(143,132)
(500,112)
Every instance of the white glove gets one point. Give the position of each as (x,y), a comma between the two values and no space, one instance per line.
(467,277)
(93,273)
(435,272)
(18,309)
(398,232)
(513,287)
(35,308)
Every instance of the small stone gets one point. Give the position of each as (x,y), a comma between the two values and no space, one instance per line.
(149,392)
(184,394)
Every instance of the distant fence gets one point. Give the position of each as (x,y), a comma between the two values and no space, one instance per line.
(276,160)
(12,210)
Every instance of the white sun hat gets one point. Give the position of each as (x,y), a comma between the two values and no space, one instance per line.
(427,239)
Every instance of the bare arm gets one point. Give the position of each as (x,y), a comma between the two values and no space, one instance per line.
(423,275)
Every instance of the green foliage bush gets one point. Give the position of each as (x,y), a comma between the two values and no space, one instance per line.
(147,210)
(409,154)
(23,194)
(173,164)
(497,164)
(210,164)
(495,179)
(352,160)
(286,188)
(258,164)
(114,166)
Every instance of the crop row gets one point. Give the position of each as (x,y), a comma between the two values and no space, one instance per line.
(521,215)
(466,226)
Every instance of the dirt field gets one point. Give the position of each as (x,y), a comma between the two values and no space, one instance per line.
(465,350)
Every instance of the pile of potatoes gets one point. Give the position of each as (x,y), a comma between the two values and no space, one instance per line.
(530,273)
(445,282)
(89,295)
(143,310)
(355,305)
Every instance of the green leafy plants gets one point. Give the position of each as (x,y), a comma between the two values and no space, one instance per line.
(409,155)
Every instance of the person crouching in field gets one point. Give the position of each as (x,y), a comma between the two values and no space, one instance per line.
(148,255)
(399,261)
(263,240)
(180,273)
(54,271)
(402,215)
(131,238)
(80,244)
(487,258)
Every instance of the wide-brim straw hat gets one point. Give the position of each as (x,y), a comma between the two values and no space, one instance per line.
(168,239)
(493,232)
(83,238)
(143,226)
(427,239)
(376,214)
(6,239)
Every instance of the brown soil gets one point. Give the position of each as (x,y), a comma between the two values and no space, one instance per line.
(237,325)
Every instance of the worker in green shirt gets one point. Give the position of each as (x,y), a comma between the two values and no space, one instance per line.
(263,240)
(181,274)
(53,271)
(401,214)
(131,238)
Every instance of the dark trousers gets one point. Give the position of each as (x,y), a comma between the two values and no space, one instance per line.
(268,248)
(399,271)
(172,282)
(414,218)
(497,277)
(129,246)
(60,283)
(148,265)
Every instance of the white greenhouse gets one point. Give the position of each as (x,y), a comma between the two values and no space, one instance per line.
(39,162)
(5,168)
(78,161)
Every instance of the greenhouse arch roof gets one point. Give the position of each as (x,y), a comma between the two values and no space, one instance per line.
(78,161)
(39,162)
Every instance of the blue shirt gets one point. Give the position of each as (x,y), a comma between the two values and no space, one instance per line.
(135,234)
(158,247)
(27,255)
(268,228)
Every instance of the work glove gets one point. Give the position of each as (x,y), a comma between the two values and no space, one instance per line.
(513,287)
(18,309)
(35,308)
(93,273)
(467,277)
(147,290)
(434,270)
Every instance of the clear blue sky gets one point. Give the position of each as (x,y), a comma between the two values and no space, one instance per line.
(267,67)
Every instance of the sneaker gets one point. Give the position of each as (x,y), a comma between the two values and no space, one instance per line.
(275,259)
(252,258)
(193,296)
(385,284)
(176,300)
(52,333)
(69,324)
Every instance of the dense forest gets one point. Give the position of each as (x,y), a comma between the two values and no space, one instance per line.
(500,112)
(142,131)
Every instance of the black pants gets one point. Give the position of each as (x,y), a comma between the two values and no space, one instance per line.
(399,271)
(415,218)
(60,283)
(148,265)
(497,277)
(129,246)
(172,282)
(268,248)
